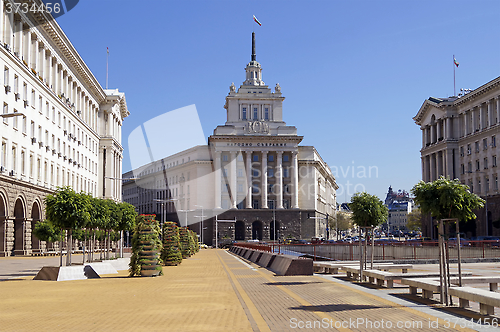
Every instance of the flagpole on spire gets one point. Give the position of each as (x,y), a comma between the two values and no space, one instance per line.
(455,64)
(107,67)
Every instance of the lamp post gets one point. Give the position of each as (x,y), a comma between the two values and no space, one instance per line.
(163,212)
(202,218)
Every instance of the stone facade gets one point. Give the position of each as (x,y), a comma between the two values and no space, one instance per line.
(459,140)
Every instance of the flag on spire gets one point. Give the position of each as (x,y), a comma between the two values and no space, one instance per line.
(256,20)
(455,62)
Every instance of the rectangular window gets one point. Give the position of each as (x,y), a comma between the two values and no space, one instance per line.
(494,161)
(6,76)
(496,183)
(224,157)
(255,113)
(25,124)
(478,167)
(270,172)
(14,158)
(285,172)
(270,157)
(485,163)
(469,167)
(255,204)
(468,149)
(3,162)
(266,113)
(270,188)
(462,167)
(15,120)
(31,165)
(240,172)
(16,84)
(476,144)
(240,187)
(255,157)
(5,111)
(485,144)
(244,114)
(493,141)
(285,157)
(461,151)
(271,204)
(33,96)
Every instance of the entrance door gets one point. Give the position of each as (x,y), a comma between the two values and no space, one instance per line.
(257,230)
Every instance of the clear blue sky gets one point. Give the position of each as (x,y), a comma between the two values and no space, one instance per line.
(354,73)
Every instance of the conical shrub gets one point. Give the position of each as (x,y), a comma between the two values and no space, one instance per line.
(146,248)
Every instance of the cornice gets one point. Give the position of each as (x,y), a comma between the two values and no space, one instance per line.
(49,26)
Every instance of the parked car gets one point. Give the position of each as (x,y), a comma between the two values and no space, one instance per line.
(452,242)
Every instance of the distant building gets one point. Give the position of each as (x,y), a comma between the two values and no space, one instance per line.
(253,171)
(459,140)
(399,205)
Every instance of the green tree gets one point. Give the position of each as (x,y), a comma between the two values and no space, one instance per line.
(342,221)
(446,199)
(67,210)
(115,217)
(414,222)
(44,231)
(367,210)
(99,220)
(127,222)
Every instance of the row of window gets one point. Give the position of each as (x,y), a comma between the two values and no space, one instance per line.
(485,145)
(254,114)
(478,165)
(478,188)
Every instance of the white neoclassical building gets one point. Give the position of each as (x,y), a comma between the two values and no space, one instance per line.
(252,171)
(69,133)
(459,140)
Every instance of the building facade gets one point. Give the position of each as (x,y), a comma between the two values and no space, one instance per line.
(68,133)
(459,141)
(252,172)
(399,205)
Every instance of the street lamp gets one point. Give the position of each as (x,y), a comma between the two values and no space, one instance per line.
(202,218)
(11,115)
(163,210)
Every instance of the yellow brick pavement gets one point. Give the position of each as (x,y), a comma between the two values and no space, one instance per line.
(211,291)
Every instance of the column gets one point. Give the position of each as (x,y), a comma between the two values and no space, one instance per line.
(264,180)
(439,164)
(466,123)
(424,175)
(449,164)
(498,109)
(433,167)
(481,117)
(424,131)
(217,179)
(438,130)
(433,133)
(449,130)
(474,120)
(279,180)
(249,179)
(233,182)
(491,116)
(295,180)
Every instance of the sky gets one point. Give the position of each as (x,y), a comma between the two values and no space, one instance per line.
(354,73)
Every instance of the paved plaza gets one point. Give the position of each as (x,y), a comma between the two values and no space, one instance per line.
(216,291)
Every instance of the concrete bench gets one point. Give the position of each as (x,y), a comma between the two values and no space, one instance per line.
(381,276)
(487,300)
(334,267)
(353,271)
(492,280)
(427,285)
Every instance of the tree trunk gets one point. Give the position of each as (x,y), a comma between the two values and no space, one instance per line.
(69,247)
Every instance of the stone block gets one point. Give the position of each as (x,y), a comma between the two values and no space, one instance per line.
(286,265)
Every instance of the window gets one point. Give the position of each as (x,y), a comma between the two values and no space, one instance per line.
(486,185)
(240,187)
(240,157)
(240,172)
(224,157)
(461,151)
(496,183)
(25,124)
(285,172)
(255,113)
(244,115)
(255,204)
(468,149)
(270,158)
(5,111)
(31,165)
(493,141)
(3,162)
(25,91)
(255,157)
(285,157)
(494,161)
(15,120)
(255,188)
(478,167)
(485,144)
(6,76)
(256,173)
(16,84)
(266,113)
(270,188)
(476,144)
(14,158)
(271,204)
(485,163)
(224,171)
(462,167)
(270,172)
(32,98)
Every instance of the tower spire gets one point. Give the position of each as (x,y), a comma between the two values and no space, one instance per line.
(254,56)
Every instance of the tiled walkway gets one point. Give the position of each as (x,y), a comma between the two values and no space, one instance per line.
(211,291)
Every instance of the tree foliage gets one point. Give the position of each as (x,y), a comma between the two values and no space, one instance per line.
(66,209)
(129,214)
(45,231)
(414,222)
(342,221)
(445,198)
(367,210)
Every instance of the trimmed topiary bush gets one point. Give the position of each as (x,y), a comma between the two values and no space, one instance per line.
(185,237)
(171,254)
